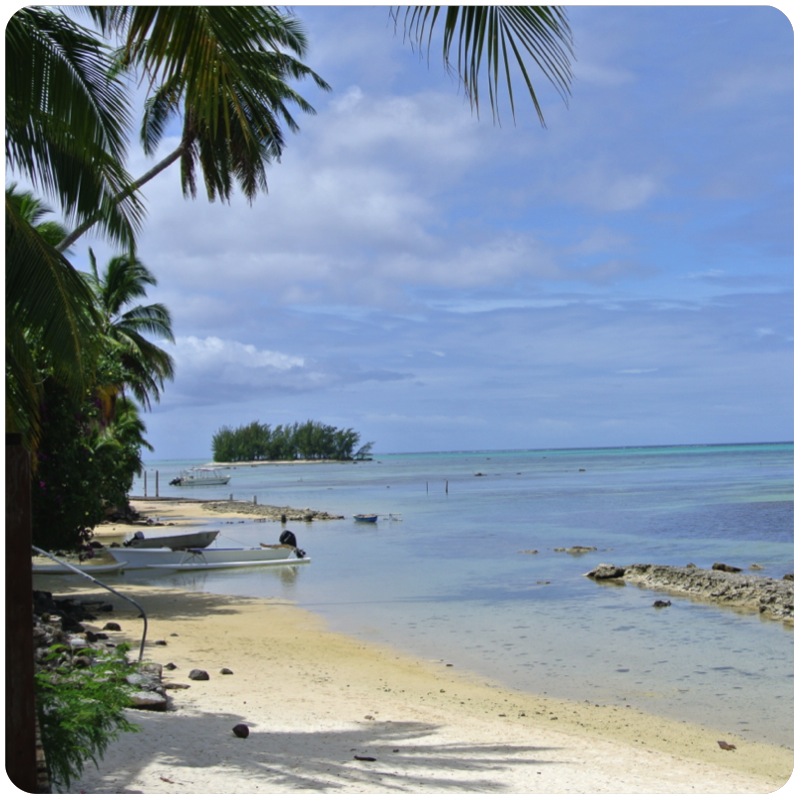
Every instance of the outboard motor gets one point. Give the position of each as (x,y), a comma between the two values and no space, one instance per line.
(288,538)
(137,535)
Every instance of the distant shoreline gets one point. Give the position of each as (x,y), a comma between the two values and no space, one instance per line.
(260,462)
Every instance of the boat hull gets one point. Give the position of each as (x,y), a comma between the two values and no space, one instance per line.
(201,482)
(55,569)
(206,558)
(200,477)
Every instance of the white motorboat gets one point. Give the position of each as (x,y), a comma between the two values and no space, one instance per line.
(209,558)
(200,477)
(176,539)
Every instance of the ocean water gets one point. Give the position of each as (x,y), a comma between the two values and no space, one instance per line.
(465,566)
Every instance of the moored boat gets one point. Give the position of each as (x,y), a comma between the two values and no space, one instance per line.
(200,477)
(365,518)
(178,539)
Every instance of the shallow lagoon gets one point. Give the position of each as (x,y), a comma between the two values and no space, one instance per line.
(462,567)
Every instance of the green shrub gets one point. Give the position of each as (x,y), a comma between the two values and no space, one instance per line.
(81,709)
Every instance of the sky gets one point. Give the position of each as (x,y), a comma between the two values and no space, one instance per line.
(438,281)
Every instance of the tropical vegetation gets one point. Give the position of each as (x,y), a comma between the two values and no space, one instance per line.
(81,710)
(308,441)
(89,447)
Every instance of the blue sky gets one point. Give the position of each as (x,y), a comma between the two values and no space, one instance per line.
(437,282)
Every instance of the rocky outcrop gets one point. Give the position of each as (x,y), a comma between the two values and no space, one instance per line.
(723,584)
(268,512)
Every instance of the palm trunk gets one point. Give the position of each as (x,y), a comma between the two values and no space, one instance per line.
(140,182)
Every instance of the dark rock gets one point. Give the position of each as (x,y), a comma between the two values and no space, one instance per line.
(139,680)
(241,730)
(170,666)
(661,604)
(149,700)
(726,568)
(227,672)
(605,572)
(111,626)
(196,674)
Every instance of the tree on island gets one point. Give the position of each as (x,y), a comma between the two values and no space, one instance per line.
(257,442)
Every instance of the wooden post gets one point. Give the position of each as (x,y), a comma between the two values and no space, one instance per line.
(145,475)
(446,486)
(157,483)
(20,707)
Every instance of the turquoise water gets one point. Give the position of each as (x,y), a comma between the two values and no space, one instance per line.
(463,567)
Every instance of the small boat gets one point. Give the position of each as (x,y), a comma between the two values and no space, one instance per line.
(208,558)
(200,477)
(54,568)
(177,539)
(365,518)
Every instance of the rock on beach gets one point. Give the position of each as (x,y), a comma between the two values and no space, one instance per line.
(771,597)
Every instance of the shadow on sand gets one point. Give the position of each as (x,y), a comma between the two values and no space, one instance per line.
(389,756)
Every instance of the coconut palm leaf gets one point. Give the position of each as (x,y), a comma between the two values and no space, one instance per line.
(67,118)
(226,70)
(503,36)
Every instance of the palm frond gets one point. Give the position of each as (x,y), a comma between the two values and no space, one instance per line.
(496,38)
(226,70)
(67,118)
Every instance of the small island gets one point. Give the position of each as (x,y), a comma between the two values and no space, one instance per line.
(309,441)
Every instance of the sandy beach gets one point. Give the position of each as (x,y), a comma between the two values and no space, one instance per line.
(330,714)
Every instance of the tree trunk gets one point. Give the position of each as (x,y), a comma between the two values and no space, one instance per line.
(140,182)
(21,762)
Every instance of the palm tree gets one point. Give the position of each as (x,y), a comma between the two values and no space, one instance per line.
(66,120)
(143,366)
(119,443)
(225,69)
(50,319)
